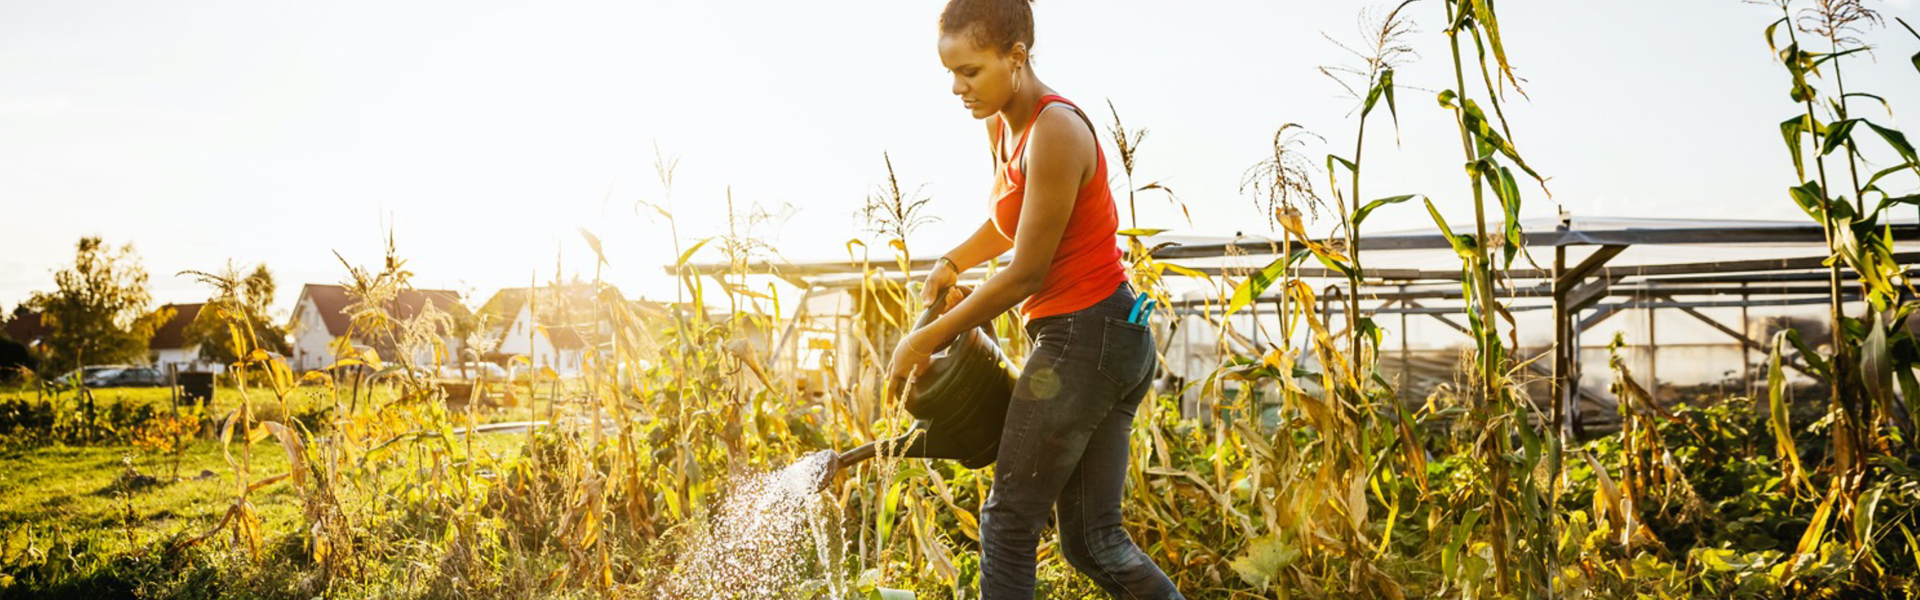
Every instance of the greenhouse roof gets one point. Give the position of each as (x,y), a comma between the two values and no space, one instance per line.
(1678,249)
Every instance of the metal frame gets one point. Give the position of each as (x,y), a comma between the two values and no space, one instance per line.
(1584,287)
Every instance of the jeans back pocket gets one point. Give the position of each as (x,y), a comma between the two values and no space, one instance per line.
(1126,352)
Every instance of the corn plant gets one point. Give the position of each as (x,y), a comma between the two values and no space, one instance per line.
(1518,521)
(1873,355)
(1305,522)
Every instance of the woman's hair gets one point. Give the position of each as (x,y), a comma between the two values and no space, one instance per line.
(995,24)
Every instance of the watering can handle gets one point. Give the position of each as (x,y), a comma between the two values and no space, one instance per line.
(940,298)
(935,309)
(938,308)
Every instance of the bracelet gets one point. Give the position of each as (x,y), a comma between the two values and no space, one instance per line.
(951,265)
(910,348)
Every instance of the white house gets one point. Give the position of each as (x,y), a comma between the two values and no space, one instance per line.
(320,317)
(575,316)
(555,347)
(169,346)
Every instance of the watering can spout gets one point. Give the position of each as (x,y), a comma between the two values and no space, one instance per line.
(903,446)
(855,456)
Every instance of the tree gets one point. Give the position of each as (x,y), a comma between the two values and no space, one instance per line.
(98,311)
(239,302)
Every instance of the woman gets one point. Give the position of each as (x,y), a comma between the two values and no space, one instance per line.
(1065,441)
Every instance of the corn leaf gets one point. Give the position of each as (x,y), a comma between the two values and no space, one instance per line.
(1483,131)
(1360,216)
(1386,87)
(1187,271)
(1876,363)
(1810,199)
(1373,97)
(1837,134)
(1249,290)
(296,452)
(1817,527)
(687,256)
(1824,58)
(1863,510)
(1778,420)
(1462,245)
(1898,141)
(593,242)
(1483,14)
(1791,130)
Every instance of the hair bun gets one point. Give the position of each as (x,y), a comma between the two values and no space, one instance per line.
(996,24)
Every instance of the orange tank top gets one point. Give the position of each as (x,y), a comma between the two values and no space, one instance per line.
(1086,266)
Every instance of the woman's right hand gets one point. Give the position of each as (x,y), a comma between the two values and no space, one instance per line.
(941,277)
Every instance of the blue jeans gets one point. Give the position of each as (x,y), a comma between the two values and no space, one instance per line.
(1064,448)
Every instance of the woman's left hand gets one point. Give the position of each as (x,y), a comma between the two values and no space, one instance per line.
(910,357)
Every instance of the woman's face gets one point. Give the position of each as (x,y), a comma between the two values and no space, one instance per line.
(982,77)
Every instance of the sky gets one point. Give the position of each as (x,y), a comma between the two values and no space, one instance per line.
(485,135)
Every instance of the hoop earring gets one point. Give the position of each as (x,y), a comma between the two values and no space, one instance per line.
(1016,80)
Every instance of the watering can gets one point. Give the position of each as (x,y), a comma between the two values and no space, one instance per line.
(959,402)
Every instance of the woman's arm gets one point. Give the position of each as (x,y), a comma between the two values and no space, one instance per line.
(985,244)
(1059,154)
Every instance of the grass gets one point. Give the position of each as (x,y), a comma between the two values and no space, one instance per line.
(80,488)
(226,398)
(108,513)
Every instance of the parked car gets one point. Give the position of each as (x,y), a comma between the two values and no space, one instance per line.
(79,375)
(473,370)
(126,377)
(521,372)
(395,373)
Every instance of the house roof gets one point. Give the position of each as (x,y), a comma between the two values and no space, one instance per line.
(500,309)
(332,301)
(25,327)
(565,338)
(173,333)
(581,298)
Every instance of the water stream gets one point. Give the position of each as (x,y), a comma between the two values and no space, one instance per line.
(773,537)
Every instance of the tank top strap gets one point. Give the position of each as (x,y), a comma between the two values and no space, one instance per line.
(1045,101)
(1037,109)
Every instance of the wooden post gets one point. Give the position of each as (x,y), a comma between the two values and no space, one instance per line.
(1255,305)
(1406,352)
(1566,333)
(1562,363)
(1653,349)
(1574,331)
(1746,354)
(173,387)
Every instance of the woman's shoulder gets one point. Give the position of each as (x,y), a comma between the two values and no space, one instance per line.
(1061,125)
